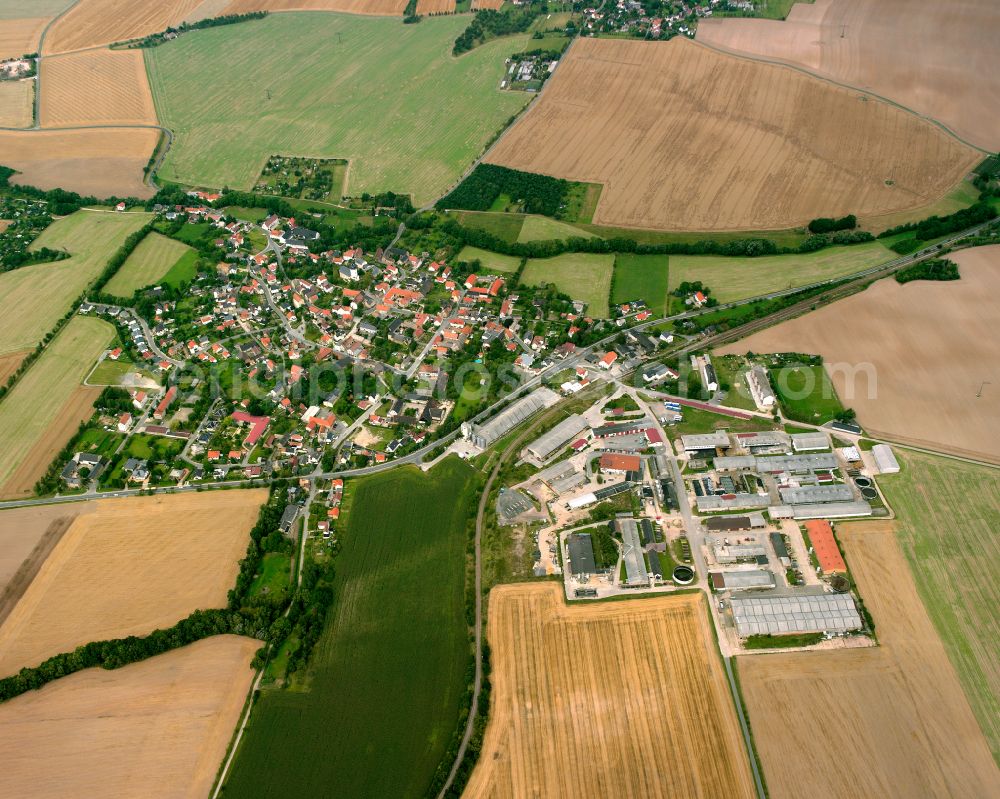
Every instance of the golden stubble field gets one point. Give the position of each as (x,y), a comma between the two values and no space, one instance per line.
(91,23)
(929,345)
(686,138)
(615,699)
(891,721)
(131,566)
(16,99)
(97,87)
(940,59)
(380,8)
(155,728)
(101,163)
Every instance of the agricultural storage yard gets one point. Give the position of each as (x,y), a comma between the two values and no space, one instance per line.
(16,98)
(34,298)
(182,555)
(46,406)
(623,698)
(686,138)
(101,162)
(313,95)
(375,7)
(924,348)
(95,22)
(947,528)
(936,58)
(890,721)
(147,264)
(155,728)
(98,87)
(583,276)
(738,278)
(388,673)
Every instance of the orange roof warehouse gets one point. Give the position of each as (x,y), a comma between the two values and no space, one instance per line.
(825,546)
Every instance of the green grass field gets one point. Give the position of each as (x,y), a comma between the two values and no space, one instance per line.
(738,278)
(542,228)
(39,396)
(641,277)
(149,263)
(806,393)
(777,9)
(504,226)
(491,261)
(389,97)
(34,298)
(948,515)
(583,276)
(388,673)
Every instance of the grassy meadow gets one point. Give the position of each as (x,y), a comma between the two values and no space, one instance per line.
(947,524)
(491,261)
(388,673)
(641,277)
(542,228)
(389,97)
(34,298)
(583,276)
(738,278)
(150,262)
(806,393)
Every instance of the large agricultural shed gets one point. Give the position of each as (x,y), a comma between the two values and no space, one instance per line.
(558,437)
(505,421)
(835,613)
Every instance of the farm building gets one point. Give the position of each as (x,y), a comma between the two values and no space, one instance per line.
(815,494)
(581,554)
(623,429)
(705,442)
(505,421)
(884,459)
(561,477)
(742,580)
(780,550)
(763,441)
(613,463)
(810,442)
(824,544)
(797,463)
(635,563)
(760,388)
(739,553)
(558,437)
(730,502)
(827,510)
(833,613)
(734,524)
(734,463)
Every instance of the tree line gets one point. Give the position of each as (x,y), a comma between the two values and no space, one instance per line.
(934,269)
(489,24)
(936,226)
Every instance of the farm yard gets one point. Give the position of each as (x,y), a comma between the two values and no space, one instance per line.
(16,98)
(393,8)
(738,278)
(91,23)
(623,698)
(148,263)
(47,405)
(910,358)
(182,555)
(98,87)
(886,721)
(583,276)
(390,665)
(894,48)
(155,728)
(310,96)
(641,277)
(33,298)
(103,163)
(717,142)
(946,528)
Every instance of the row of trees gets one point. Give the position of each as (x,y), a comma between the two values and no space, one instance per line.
(935,226)
(156,39)
(537,194)
(827,225)
(490,24)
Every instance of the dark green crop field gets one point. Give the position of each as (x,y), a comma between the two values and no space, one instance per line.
(389,672)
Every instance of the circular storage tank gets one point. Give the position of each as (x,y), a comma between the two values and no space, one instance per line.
(683,575)
(863,482)
(869,493)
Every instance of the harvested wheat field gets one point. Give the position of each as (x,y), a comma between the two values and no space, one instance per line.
(480,5)
(911,359)
(9,363)
(159,727)
(16,103)
(891,721)
(938,59)
(98,87)
(99,163)
(622,698)
(435,6)
(381,8)
(206,9)
(20,36)
(686,138)
(128,568)
(91,23)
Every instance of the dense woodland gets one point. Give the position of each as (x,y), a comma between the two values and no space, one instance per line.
(537,194)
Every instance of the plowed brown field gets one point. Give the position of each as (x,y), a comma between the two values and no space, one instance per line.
(615,699)
(20,36)
(381,8)
(686,138)
(891,721)
(102,163)
(16,98)
(131,566)
(940,59)
(155,728)
(98,87)
(91,23)
(911,359)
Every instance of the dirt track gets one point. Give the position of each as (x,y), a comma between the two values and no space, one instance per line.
(891,721)
(621,698)
(936,58)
